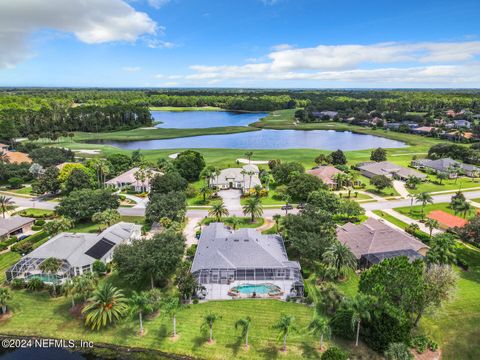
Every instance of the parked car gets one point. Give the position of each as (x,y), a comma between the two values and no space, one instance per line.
(22,237)
(301,206)
(287,207)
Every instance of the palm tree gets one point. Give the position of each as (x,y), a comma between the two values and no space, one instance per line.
(319,327)
(413,181)
(253,206)
(51,266)
(107,305)
(360,307)
(5,202)
(85,284)
(285,326)
(69,289)
(287,198)
(208,321)
(205,190)
(442,176)
(171,307)
(140,304)
(218,210)
(442,250)
(432,224)
(463,208)
(235,221)
(5,296)
(245,325)
(249,155)
(412,197)
(424,198)
(277,218)
(340,256)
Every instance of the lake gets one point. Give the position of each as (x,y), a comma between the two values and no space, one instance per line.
(266,139)
(204,119)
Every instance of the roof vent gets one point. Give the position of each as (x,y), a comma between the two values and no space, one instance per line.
(236,240)
(246,240)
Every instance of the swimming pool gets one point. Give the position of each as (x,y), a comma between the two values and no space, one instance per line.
(259,289)
(44,278)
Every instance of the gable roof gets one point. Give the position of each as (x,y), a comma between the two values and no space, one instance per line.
(219,247)
(128,177)
(235,174)
(445,164)
(388,169)
(325,173)
(374,236)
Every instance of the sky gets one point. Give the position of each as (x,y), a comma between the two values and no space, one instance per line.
(240,43)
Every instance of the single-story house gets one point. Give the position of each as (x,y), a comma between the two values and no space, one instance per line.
(424,130)
(447,166)
(322,114)
(244,263)
(326,174)
(17,157)
(462,124)
(137,178)
(390,170)
(244,178)
(373,241)
(15,225)
(77,251)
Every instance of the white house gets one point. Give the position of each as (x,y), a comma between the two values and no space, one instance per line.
(244,178)
(137,178)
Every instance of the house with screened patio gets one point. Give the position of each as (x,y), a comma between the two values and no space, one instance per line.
(231,264)
(76,251)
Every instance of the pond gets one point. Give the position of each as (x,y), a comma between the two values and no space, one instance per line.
(43,354)
(204,119)
(266,139)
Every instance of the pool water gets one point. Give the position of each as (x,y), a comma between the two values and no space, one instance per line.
(258,289)
(44,278)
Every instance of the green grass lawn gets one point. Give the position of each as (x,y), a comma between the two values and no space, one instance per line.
(447,185)
(31,212)
(26,190)
(38,314)
(416,211)
(7,259)
(90,227)
(245,222)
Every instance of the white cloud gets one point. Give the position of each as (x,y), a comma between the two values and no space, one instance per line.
(157,4)
(91,21)
(131,68)
(160,44)
(413,63)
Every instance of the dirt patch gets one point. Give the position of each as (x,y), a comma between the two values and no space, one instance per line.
(4,317)
(428,355)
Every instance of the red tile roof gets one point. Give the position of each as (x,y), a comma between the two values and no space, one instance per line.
(447,219)
(325,173)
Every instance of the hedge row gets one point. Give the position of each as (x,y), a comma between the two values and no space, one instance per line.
(26,245)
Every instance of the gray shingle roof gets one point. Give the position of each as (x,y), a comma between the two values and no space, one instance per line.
(445,164)
(374,236)
(219,247)
(387,168)
(12,223)
(72,247)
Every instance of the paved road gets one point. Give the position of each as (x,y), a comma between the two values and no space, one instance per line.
(197,213)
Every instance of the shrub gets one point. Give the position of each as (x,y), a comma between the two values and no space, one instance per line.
(195,301)
(3,246)
(334,353)
(422,343)
(463,264)
(385,328)
(15,182)
(99,267)
(26,245)
(398,351)
(17,284)
(36,228)
(341,324)
(191,251)
(39,222)
(35,284)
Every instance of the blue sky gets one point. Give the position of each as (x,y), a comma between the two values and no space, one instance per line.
(248,43)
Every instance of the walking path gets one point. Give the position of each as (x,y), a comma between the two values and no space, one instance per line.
(399,186)
(267,224)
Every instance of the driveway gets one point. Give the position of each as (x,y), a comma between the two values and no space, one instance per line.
(231,199)
(399,186)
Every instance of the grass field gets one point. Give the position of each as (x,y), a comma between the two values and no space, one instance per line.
(416,211)
(447,185)
(7,259)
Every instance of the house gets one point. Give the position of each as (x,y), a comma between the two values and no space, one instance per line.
(244,178)
(424,130)
(396,125)
(136,178)
(15,225)
(324,114)
(77,252)
(447,166)
(373,241)
(390,170)
(16,157)
(326,174)
(462,124)
(244,263)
